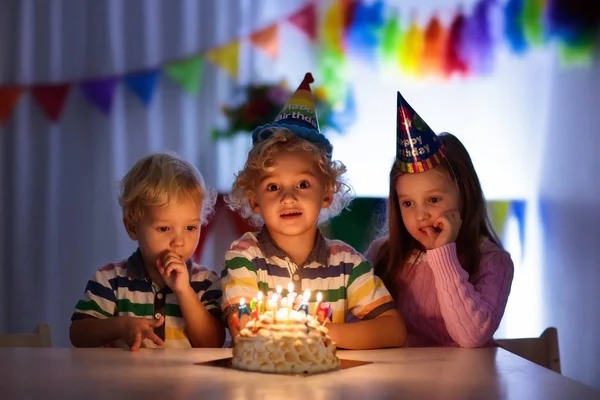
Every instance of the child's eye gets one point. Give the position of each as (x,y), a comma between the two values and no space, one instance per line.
(271,187)
(406,204)
(303,185)
(192,228)
(435,199)
(163,229)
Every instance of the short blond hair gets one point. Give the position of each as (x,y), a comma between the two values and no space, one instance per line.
(261,158)
(163,179)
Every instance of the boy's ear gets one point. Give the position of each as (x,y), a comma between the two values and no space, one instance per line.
(253,203)
(328,198)
(130,228)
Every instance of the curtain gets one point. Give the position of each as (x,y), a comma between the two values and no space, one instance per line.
(59,217)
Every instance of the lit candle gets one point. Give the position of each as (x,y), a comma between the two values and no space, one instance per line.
(304,304)
(290,288)
(243,310)
(319,298)
(284,304)
(322,309)
(261,305)
(278,290)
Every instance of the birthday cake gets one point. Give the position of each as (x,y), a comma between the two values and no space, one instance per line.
(283,341)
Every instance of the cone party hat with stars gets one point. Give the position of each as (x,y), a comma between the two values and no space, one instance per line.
(418,148)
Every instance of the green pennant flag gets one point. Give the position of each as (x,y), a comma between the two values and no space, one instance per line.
(533,21)
(391,41)
(187,73)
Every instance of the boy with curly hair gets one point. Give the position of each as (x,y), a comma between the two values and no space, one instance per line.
(288,186)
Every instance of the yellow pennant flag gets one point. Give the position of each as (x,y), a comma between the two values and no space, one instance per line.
(332,26)
(411,50)
(226,57)
(498,212)
(267,40)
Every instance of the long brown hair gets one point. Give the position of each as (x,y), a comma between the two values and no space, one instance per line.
(395,251)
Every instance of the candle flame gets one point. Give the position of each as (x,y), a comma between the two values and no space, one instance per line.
(278,290)
(259,296)
(306,296)
(319,297)
(290,287)
(242,302)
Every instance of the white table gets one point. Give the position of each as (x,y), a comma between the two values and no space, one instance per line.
(425,373)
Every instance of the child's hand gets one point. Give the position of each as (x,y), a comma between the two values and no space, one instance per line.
(136,329)
(445,230)
(174,272)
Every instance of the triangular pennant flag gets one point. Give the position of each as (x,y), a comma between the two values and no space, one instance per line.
(142,84)
(332,26)
(267,40)
(226,57)
(435,45)
(518,210)
(8,98)
(498,212)
(51,99)
(306,20)
(187,73)
(100,92)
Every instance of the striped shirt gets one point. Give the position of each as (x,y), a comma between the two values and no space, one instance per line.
(124,289)
(343,276)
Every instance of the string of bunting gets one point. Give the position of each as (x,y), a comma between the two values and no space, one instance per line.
(374,30)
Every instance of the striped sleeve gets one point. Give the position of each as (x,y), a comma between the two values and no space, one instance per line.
(239,277)
(207,285)
(99,300)
(367,296)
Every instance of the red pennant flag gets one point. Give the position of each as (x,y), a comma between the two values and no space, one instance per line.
(306,20)
(268,40)
(51,99)
(9,96)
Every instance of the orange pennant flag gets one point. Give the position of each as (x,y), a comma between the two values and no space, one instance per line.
(267,40)
(9,96)
(226,57)
(435,41)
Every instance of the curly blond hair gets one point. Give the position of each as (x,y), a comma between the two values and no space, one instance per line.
(163,179)
(261,157)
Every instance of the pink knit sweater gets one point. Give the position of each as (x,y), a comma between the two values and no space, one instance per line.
(442,306)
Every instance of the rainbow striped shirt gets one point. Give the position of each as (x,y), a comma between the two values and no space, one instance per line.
(340,273)
(124,289)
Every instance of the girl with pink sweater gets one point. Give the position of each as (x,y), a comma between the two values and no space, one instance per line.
(441,259)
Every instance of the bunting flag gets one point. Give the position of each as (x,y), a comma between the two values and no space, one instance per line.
(498,212)
(267,40)
(9,96)
(143,84)
(518,208)
(434,47)
(226,57)
(100,92)
(51,99)
(412,50)
(513,26)
(332,27)
(187,73)
(453,60)
(463,46)
(306,20)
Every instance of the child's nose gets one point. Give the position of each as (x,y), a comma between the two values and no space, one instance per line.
(177,240)
(287,197)
(423,214)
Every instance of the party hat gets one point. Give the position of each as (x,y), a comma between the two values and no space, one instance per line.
(417,146)
(299,116)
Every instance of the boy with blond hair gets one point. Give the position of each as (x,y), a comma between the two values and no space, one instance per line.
(288,186)
(158,296)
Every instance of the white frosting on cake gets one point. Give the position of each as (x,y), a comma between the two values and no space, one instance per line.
(298,344)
